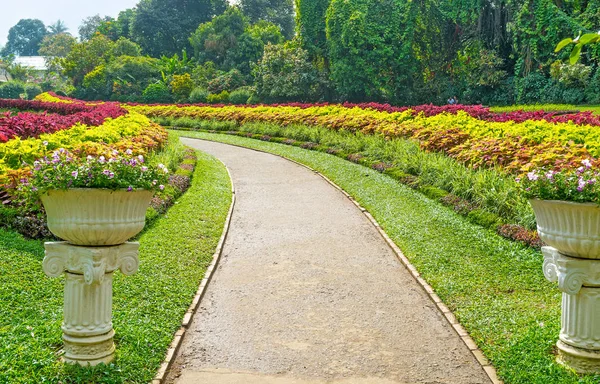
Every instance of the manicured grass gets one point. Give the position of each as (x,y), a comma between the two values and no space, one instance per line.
(489,197)
(495,287)
(148,307)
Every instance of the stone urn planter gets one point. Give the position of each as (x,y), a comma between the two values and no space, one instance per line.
(572,258)
(90,216)
(96,223)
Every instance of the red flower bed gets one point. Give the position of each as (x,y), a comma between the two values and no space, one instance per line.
(27,124)
(476,111)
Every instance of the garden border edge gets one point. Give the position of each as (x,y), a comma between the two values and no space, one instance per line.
(169,359)
(446,312)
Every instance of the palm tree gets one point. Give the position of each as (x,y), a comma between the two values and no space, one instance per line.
(58,27)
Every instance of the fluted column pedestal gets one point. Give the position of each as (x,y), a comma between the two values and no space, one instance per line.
(579,280)
(87,326)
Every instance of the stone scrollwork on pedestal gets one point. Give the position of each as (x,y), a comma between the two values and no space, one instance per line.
(87,326)
(570,272)
(91,262)
(579,280)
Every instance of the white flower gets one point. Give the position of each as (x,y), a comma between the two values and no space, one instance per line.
(586,163)
(128,152)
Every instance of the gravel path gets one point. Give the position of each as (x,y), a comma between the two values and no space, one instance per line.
(308,292)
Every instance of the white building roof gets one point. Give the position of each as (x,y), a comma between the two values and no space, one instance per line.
(37,63)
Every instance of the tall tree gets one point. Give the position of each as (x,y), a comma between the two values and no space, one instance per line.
(311,24)
(231,43)
(25,37)
(90,25)
(115,29)
(58,27)
(370,47)
(278,12)
(86,56)
(163,27)
(59,45)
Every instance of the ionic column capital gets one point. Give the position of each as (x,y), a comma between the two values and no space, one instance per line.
(91,262)
(571,273)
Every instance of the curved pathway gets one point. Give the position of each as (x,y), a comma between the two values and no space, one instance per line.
(308,292)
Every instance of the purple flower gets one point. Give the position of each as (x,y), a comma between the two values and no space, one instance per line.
(45,143)
(518,180)
(591,181)
(581,184)
(161,187)
(129,152)
(141,159)
(74,174)
(130,189)
(133,163)
(106,172)
(144,168)
(586,163)
(533,176)
(111,175)
(550,175)
(102,160)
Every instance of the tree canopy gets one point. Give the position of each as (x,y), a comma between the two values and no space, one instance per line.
(25,38)
(278,12)
(163,27)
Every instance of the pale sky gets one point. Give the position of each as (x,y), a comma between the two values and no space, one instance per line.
(69,11)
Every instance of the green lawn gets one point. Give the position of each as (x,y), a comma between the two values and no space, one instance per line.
(495,287)
(148,307)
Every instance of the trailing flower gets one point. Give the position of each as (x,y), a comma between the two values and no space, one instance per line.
(64,170)
(581,184)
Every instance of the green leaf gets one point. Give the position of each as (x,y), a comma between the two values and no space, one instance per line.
(575,53)
(588,38)
(563,44)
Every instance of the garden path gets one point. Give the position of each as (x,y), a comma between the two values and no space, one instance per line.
(308,292)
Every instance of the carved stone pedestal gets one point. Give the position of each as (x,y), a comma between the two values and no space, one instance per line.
(579,280)
(87,327)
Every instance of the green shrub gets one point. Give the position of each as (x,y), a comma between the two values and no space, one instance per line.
(220,98)
(484,218)
(182,86)
(32,90)
(199,95)
(227,82)
(157,93)
(433,192)
(240,96)
(11,90)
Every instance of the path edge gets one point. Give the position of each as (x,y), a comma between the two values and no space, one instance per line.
(167,363)
(489,369)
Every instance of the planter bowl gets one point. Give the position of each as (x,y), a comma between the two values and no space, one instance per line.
(572,228)
(88,216)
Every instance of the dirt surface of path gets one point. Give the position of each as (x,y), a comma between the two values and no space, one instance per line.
(307,292)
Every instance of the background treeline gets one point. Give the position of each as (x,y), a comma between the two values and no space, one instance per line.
(397,51)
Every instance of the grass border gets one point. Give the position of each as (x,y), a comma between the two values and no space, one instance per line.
(167,363)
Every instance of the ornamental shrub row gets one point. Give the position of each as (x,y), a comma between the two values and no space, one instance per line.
(28,124)
(132,131)
(513,147)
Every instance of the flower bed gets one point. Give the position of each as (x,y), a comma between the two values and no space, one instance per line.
(26,124)
(514,147)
